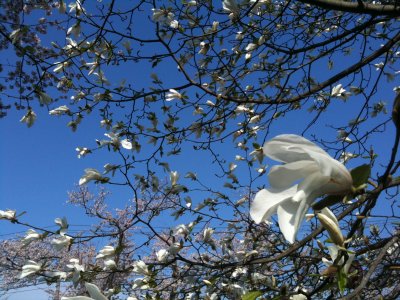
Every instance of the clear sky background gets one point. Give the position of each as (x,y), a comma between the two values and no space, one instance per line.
(39,165)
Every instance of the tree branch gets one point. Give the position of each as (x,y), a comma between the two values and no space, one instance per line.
(358,7)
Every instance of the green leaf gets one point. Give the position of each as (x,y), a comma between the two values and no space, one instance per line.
(360,175)
(252,295)
(327,201)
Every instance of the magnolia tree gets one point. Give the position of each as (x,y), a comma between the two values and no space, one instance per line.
(216,80)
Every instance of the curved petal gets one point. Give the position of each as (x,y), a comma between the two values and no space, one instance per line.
(311,187)
(94,292)
(286,212)
(290,216)
(284,176)
(266,200)
(333,251)
(290,148)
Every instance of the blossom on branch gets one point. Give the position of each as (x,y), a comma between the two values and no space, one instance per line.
(7,214)
(29,268)
(304,162)
(92,174)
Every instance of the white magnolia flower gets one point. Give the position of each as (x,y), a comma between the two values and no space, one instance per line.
(204,47)
(82,151)
(115,141)
(317,173)
(191,3)
(174,24)
(298,297)
(110,168)
(174,176)
(31,235)
(62,242)
(106,252)
(333,252)
(182,229)
(44,98)
(94,292)
(15,35)
(141,283)
(92,174)
(56,274)
(29,268)
(250,47)
(162,255)
(75,30)
(77,268)
(7,214)
(76,7)
(140,267)
(346,156)
(29,118)
(62,110)
(110,264)
(126,144)
(63,223)
(339,92)
(379,66)
(239,36)
(231,6)
(207,234)
(173,94)
(162,15)
(60,66)
(175,248)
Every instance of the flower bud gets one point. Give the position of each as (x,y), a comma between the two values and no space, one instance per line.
(332,227)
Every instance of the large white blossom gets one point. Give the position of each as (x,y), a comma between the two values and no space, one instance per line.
(63,223)
(30,267)
(140,267)
(106,252)
(76,268)
(339,92)
(314,172)
(162,255)
(29,118)
(63,241)
(7,214)
(31,235)
(90,175)
(94,292)
(62,110)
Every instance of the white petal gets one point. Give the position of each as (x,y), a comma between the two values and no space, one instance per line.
(266,200)
(284,176)
(76,298)
(290,148)
(348,263)
(290,216)
(94,292)
(126,144)
(333,251)
(327,262)
(311,187)
(286,213)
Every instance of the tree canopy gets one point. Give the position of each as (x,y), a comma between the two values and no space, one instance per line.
(198,101)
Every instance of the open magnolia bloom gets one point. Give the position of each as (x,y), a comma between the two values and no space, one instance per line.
(308,172)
